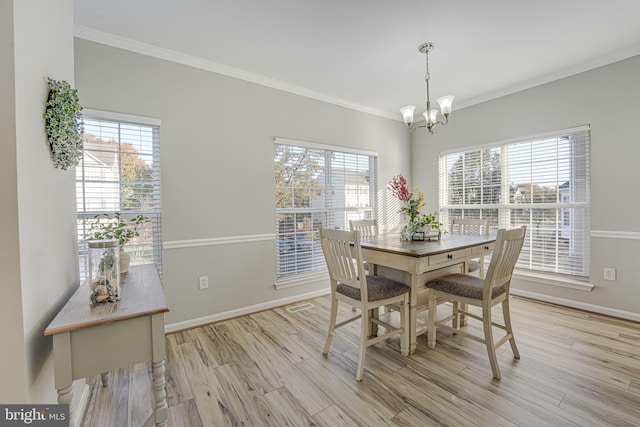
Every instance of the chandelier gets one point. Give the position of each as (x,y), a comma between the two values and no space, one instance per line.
(431,114)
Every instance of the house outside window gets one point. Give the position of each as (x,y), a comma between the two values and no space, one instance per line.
(120,172)
(541,182)
(317,186)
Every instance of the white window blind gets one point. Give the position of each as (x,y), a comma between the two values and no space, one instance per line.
(541,182)
(317,186)
(120,172)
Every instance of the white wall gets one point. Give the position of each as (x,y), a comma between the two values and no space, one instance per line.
(217,166)
(13,369)
(40,252)
(605,98)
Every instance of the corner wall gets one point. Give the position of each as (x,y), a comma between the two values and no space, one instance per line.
(39,211)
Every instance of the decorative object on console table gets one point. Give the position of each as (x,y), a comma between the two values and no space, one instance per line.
(117,227)
(104,271)
(416,228)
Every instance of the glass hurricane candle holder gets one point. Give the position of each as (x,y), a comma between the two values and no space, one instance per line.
(104,271)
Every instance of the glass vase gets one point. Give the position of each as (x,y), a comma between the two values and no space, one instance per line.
(104,271)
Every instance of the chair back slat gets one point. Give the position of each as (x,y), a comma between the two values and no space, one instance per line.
(343,254)
(366,227)
(505,255)
(479,227)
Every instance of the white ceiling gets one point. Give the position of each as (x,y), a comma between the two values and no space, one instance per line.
(363,53)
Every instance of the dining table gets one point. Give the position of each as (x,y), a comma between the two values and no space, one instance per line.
(416,262)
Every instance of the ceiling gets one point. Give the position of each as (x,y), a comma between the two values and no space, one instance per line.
(364,53)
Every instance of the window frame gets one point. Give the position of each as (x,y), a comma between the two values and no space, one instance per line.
(505,207)
(327,213)
(154,229)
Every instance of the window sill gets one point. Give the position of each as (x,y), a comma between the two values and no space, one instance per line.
(301,279)
(553,280)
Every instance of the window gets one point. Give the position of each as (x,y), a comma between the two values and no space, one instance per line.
(120,172)
(541,182)
(317,186)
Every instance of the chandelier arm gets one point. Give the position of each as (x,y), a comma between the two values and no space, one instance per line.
(413,126)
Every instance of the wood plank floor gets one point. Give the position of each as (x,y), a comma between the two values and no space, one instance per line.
(266,369)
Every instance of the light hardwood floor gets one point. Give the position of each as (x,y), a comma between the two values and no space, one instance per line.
(266,369)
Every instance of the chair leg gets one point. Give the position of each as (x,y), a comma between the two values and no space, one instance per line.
(404,321)
(364,329)
(332,325)
(431,320)
(455,322)
(488,340)
(507,323)
(374,313)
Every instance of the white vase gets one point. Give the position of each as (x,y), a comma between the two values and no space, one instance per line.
(125,259)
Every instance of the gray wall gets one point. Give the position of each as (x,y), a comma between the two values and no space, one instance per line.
(38,248)
(217,166)
(605,98)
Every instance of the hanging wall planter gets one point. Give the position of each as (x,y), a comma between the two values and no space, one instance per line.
(63,124)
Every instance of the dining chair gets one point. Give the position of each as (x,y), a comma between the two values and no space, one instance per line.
(350,285)
(485,293)
(478,227)
(366,227)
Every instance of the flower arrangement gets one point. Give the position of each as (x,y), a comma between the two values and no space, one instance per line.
(412,205)
(105,227)
(63,124)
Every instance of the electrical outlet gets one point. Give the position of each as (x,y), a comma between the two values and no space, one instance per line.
(203,282)
(609,273)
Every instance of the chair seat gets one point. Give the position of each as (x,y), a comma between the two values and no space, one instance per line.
(463,285)
(473,266)
(378,288)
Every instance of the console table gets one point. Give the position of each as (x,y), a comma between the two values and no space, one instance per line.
(89,341)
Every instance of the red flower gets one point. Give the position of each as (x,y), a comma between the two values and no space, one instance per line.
(398,187)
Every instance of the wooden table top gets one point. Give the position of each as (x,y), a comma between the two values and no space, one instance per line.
(390,242)
(142,295)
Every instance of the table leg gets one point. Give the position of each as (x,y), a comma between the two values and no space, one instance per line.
(461,319)
(105,379)
(65,396)
(160,393)
(157,364)
(63,371)
(413,313)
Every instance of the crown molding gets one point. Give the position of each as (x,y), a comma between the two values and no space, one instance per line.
(620,55)
(112,40)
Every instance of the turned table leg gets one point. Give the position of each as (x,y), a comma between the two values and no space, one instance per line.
(159,391)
